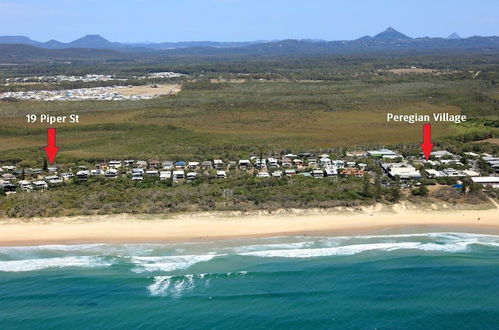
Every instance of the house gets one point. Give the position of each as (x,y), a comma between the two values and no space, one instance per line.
(167,165)
(96,172)
(193,165)
(53,179)
(325,162)
(221,175)
(152,172)
(218,164)
(178,175)
(362,166)
(8,177)
(115,164)
(471,154)
(67,176)
(317,173)
(165,175)
(191,176)
(298,162)
(141,164)
(154,163)
(312,162)
(40,185)
(492,181)
(206,165)
(260,163)
(128,162)
(82,175)
(138,170)
(111,173)
(290,156)
(277,174)
(101,166)
(331,171)
(25,185)
(9,168)
(352,172)
(286,162)
(272,162)
(434,173)
(52,169)
(180,164)
(492,162)
(338,163)
(358,154)
(304,154)
(263,175)
(290,172)
(244,164)
(137,176)
(381,153)
(441,154)
(36,171)
(470,173)
(402,170)
(7,187)
(451,172)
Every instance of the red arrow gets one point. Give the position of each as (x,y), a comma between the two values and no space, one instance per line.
(51,149)
(427,146)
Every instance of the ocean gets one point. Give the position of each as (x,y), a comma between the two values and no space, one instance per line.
(442,280)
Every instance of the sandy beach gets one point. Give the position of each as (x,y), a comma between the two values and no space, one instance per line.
(211,226)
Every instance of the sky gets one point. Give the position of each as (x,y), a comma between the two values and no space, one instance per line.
(244,20)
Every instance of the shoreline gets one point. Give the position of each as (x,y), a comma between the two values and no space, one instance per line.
(210,226)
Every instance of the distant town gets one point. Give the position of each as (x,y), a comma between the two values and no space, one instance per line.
(106,93)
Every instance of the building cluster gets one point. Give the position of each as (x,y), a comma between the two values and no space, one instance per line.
(304,164)
(88,78)
(109,93)
(162,75)
(60,78)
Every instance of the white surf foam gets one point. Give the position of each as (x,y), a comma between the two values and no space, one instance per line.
(173,286)
(27,265)
(257,247)
(459,246)
(168,263)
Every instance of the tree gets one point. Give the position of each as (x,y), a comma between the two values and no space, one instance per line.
(366,191)
(378,189)
(394,191)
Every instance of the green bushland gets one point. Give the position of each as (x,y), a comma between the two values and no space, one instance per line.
(241,192)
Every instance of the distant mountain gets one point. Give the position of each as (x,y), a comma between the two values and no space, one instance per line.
(454,36)
(18,40)
(391,34)
(17,53)
(94,41)
(389,40)
(53,44)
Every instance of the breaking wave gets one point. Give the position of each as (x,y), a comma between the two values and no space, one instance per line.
(27,265)
(175,286)
(168,263)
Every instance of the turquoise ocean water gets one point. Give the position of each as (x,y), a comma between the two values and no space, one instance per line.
(403,281)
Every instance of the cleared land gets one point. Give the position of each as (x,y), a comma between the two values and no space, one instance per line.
(150,90)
